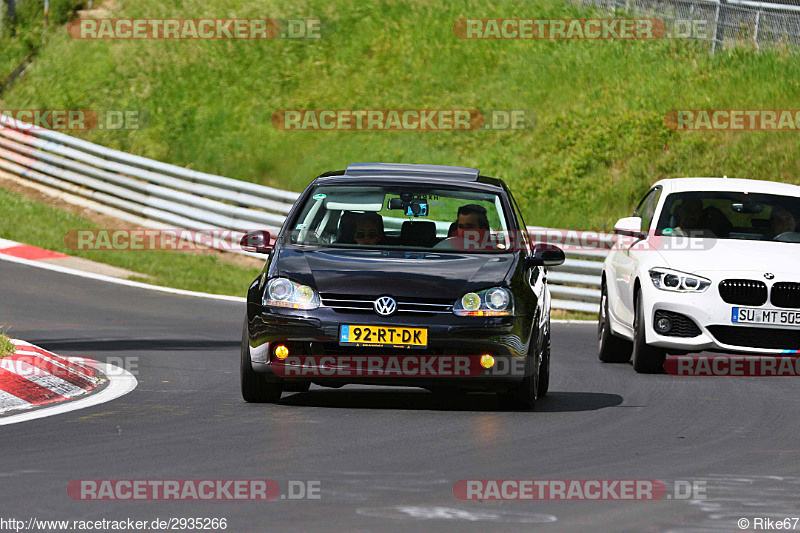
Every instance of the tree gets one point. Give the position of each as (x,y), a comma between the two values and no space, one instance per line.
(11,14)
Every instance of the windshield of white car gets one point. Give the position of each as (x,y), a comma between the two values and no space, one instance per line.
(398,217)
(731,215)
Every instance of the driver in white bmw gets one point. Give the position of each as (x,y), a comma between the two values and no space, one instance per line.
(782,221)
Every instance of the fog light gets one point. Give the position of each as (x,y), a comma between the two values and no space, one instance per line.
(663,325)
(281,352)
(487,361)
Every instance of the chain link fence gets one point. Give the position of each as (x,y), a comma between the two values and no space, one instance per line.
(722,23)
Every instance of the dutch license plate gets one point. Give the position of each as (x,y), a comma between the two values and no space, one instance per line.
(386,336)
(773,317)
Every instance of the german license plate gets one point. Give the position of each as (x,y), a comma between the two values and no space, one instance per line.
(385,336)
(773,317)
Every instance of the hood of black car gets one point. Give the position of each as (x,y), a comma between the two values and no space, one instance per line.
(399,274)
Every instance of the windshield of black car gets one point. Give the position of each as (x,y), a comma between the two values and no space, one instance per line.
(731,215)
(399,217)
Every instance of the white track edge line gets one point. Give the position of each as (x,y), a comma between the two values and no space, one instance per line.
(126,282)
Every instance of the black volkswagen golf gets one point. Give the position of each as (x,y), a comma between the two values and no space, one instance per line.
(395,274)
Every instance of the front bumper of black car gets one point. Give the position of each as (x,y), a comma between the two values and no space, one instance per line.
(312,338)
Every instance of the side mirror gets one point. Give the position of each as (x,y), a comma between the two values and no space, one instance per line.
(631,226)
(545,255)
(258,241)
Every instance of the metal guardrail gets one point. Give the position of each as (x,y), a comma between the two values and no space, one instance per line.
(721,22)
(163,196)
(137,189)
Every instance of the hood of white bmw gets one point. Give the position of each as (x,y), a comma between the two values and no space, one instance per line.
(713,257)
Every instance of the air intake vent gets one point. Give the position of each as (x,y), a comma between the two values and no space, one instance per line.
(680,325)
(751,337)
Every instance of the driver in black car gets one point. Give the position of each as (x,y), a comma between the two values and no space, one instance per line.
(470,227)
(470,217)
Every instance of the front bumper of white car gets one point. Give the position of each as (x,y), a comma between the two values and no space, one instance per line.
(704,321)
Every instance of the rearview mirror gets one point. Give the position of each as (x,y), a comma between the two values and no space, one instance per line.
(545,255)
(412,207)
(258,241)
(747,207)
(631,226)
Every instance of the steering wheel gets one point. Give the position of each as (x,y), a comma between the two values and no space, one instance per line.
(446,244)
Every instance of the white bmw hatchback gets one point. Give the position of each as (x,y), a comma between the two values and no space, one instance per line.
(703,264)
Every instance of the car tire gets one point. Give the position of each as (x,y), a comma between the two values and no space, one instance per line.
(522,397)
(255,388)
(296,386)
(611,349)
(646,359)
(544,368)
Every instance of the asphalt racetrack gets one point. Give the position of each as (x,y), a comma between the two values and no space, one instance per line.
(384,459)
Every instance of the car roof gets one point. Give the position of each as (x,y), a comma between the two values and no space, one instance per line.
(411,173)
(728,184)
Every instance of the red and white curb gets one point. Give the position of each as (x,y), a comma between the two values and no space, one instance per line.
(26,251)
(34,377)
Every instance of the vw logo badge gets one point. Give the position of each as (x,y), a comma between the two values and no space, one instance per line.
(385,306)
(769,275)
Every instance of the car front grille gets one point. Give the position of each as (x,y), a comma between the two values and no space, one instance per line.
(682,325)
(743,291)
(786,295)
(750,337)
(365,304)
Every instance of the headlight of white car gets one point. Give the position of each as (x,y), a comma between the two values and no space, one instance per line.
(673,280)
(496,301)
(282,292)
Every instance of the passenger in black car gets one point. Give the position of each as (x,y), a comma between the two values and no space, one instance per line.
(369,229)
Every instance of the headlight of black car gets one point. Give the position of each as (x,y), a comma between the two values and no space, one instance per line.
(282,292)
(496,301)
